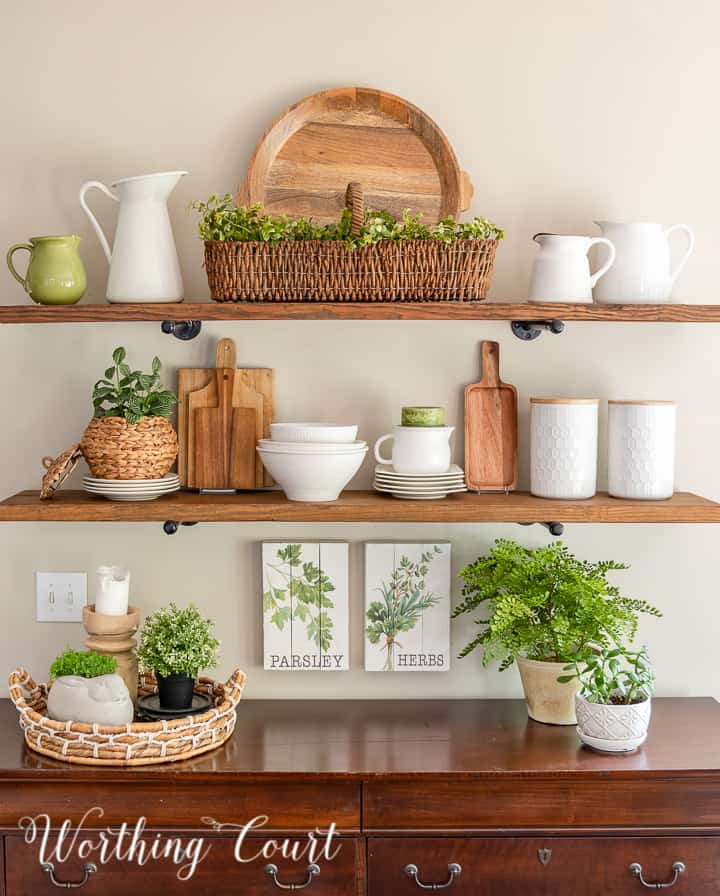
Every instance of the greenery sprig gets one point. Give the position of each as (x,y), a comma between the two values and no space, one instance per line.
(84,663)
(177,642)
(221,219)
(545,604)
(613,677)
(131,394)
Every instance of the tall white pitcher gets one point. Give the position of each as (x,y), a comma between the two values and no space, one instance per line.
(143,261)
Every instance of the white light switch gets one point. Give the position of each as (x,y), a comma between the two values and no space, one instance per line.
(60,596)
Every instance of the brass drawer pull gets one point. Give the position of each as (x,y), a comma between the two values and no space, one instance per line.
(312,871)
(453,870)
(677,867)
(89,868)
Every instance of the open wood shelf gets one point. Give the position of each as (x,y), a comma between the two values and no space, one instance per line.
(357,506)
(105,313)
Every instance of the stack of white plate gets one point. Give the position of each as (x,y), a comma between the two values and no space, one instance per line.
(419,486)
(132,489)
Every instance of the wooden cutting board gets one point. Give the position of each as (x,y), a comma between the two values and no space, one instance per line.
(491,428)
(223,411)
(305,160)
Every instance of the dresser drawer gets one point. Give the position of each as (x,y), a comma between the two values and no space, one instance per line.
(549,866)
(219,873)
(542,802)
(288,805)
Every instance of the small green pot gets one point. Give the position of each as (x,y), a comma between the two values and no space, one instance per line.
(417,416)
(55,274)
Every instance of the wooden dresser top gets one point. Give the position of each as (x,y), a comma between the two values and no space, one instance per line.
(404,739)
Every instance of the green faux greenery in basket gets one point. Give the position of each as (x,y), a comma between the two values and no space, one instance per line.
(366,256)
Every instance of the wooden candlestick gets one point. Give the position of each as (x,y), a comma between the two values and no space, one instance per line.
(113,636)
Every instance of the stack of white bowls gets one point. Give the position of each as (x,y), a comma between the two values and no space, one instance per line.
(312,461)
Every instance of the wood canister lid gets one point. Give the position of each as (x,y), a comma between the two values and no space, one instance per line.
(642,401)
(564,401)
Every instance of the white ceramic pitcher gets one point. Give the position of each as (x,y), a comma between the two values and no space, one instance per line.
(642,271)
(143,261)
(561,272)
(417,449)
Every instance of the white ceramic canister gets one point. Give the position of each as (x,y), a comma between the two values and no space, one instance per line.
(641,449)
(563,447)
(417,449)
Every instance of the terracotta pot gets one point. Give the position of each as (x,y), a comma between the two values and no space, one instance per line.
(547,699)
(116,449)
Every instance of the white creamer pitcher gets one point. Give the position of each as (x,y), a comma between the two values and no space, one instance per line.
(561,272)
(642,271)
(143,261)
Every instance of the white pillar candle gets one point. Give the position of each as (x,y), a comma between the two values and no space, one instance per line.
(112,593)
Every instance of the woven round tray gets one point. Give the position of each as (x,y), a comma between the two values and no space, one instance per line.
(137,743)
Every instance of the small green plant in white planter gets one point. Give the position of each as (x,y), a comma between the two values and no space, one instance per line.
(175,645)
(613,705)
(86,688)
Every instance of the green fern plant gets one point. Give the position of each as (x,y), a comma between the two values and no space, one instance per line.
(545,604)
(403,601)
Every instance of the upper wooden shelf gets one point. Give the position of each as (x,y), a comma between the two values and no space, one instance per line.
(357,506)
(105,313)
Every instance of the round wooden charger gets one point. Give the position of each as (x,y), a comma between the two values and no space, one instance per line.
(305,160)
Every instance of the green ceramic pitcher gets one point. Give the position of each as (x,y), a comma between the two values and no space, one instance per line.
(55,274)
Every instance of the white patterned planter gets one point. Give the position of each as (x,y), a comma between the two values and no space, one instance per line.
(563,447)
(612,728)
(641,449)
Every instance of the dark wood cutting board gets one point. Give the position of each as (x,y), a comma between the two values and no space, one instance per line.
(491,428)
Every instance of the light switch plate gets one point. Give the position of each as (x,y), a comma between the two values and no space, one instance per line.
(60,596)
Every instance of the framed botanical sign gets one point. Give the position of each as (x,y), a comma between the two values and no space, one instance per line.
(407,607)
(305,606)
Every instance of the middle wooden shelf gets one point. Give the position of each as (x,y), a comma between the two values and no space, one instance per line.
(357,506)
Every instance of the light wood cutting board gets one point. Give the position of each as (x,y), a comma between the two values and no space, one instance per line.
(252,388)
(491,428)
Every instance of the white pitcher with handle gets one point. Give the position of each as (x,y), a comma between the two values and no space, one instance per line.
(143,261)
(561,272)
(642,273)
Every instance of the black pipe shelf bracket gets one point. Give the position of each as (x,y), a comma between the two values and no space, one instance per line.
(527,330)
(182,329)
(170,527)
(554,528)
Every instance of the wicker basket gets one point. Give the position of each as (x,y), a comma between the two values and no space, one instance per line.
(116,449)
(330,271)
(137,743)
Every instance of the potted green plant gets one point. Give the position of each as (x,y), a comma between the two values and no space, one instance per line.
(613,704)
(85,688)
(130,436)
(542,608)
(175,645)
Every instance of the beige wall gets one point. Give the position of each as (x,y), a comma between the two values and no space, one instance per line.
(562,111)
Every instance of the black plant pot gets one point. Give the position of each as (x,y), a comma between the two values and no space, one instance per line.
(176,691)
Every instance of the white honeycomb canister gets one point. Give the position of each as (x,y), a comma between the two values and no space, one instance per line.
(641,449)
(563,447)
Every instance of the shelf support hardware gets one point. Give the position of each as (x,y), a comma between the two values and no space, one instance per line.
(170,527)
(182,329)
(528,330)
(554,528)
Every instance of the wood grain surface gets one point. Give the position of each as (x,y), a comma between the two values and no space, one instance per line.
(312,151)
(291,310)
(358,506)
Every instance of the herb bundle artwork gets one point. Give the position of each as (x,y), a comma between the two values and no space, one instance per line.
(305,606)
(407,607)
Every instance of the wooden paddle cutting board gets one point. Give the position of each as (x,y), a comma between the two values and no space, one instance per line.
(223,412)
(491,428)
